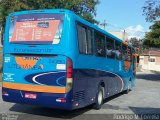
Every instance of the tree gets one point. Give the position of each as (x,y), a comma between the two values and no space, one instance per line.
(152,38)
(84,8)
(134,42)
(8,6)
(151,10)
(137,44)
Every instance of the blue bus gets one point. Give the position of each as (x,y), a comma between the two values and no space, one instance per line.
(54,58)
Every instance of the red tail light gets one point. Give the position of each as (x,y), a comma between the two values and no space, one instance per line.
(69,68)
(5,93)
(61,100)
(69,80)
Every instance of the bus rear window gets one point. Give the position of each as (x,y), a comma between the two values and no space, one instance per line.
(36,28)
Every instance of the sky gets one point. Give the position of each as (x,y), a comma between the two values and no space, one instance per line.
(123,15)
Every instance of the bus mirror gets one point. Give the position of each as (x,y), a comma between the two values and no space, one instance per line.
(138,59)
(136,56)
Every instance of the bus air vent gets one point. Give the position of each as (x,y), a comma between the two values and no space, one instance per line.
(80,95)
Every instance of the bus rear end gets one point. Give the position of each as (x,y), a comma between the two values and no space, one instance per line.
(35,70)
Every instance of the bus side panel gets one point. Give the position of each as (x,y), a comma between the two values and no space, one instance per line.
(87,81)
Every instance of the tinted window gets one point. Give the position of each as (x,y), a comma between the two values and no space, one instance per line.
(118,52)
(110,48)
(89,41)
(100,44)
(129,54)
(126,53)
(84,39)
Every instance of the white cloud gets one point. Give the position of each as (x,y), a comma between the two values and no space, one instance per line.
(135,31)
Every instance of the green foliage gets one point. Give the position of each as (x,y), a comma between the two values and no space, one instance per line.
(84,8)
(151,10)
(8,6)
(137,44)
(152,38)
(134,42)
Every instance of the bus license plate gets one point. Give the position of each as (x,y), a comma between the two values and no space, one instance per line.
(30,96)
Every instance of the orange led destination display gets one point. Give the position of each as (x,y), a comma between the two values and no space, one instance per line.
(32,31)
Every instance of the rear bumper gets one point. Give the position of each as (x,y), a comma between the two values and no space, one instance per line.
(42,99)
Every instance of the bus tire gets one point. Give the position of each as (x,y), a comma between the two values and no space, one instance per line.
(99,99)
(129,87)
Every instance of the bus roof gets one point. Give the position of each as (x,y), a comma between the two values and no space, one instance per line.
(65,11)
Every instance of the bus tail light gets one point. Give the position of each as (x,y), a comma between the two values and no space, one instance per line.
(69,79)
(69,68)
(76,104)
(5,93)
(61,100)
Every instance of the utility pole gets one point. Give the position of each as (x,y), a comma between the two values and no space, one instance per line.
(104,24)
(124,35)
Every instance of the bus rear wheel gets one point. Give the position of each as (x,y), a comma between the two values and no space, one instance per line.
(99,99)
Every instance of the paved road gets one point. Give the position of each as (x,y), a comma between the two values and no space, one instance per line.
(143,99)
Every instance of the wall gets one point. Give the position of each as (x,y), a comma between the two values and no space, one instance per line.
(120,35)
(147,65)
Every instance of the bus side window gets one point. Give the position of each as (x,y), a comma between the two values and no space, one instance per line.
(110,48)
(89,36)
(118,52)
(129,54)
(100,44)
(84,39)
(124,52)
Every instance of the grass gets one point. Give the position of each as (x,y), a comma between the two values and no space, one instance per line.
(0,64)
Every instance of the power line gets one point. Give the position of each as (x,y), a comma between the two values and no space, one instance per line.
(104,24)
(133,32)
